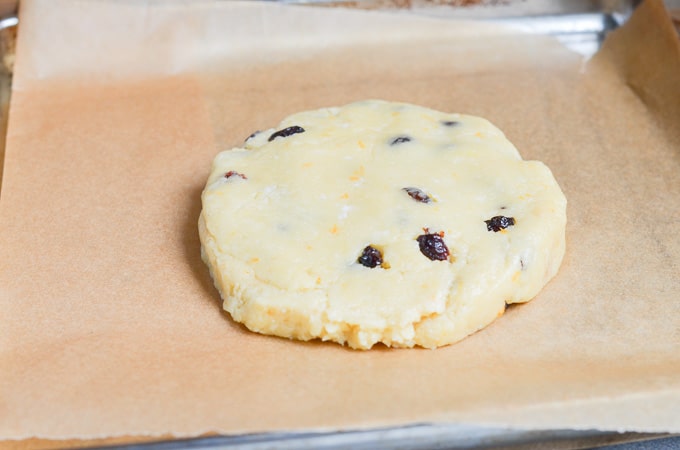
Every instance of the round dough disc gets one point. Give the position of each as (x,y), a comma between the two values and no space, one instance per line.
(379,222)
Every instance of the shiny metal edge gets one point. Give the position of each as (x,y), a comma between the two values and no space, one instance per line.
(7,22)
(413,437)
(582,33)
(6,25)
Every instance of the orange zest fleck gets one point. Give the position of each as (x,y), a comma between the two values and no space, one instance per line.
(357,174)
(361,144)
(334,230)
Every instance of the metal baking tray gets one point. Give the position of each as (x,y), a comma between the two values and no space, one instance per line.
(580,25)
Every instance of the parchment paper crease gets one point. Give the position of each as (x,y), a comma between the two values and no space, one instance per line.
(110,324)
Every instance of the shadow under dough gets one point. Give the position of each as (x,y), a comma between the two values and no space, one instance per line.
(191,246)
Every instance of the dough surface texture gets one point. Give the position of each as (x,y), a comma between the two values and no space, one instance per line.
(379,222)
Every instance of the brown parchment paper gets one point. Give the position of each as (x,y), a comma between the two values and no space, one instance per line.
(110,325)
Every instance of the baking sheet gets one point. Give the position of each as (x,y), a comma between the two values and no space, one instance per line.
(110,323)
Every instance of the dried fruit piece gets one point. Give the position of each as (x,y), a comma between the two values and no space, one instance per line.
(433,246)
(498,223)
(233,173)
(286,132)
(255,133)
(450,123)
(370,257)
(417,194)
(400,140)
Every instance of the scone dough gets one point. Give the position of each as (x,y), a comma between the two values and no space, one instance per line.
(286,220)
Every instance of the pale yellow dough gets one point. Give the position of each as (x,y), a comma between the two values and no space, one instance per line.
(282,244)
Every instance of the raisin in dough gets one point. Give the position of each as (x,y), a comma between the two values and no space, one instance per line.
(379,222)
